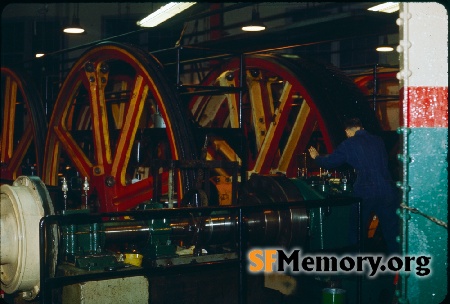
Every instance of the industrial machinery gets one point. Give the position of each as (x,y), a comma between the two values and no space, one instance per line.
(100,122)
(76,242)
(23,204)
(123,172)
(289,103)
(116,113)
(24,125)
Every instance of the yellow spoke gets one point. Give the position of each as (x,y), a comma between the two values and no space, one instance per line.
(8,119)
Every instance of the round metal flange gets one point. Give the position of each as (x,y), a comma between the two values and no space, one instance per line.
(22,206)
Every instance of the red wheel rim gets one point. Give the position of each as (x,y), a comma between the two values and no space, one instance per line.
(23,125)
(111,94)
(286,115)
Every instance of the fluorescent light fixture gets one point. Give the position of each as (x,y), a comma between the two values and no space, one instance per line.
(384,49)
(387,7)
(165,12)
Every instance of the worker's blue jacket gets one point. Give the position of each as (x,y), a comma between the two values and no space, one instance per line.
(366,153)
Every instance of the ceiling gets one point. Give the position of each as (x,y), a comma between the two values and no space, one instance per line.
(298,24)
(341,26)
(307,24)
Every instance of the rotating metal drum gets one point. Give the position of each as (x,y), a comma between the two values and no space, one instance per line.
(23,126)
(287,100)
(115,113)
(22,206)
(287,227)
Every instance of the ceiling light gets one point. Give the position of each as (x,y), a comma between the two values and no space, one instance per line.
(387,7)
(384,48)
(165,12)
(74,27)
(255,25)
(40,41)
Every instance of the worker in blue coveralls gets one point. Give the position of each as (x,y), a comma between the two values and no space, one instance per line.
(366,153)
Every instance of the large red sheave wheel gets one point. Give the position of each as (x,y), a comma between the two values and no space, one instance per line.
(115,113)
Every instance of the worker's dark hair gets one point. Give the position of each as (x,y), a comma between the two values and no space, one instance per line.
(352,123)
